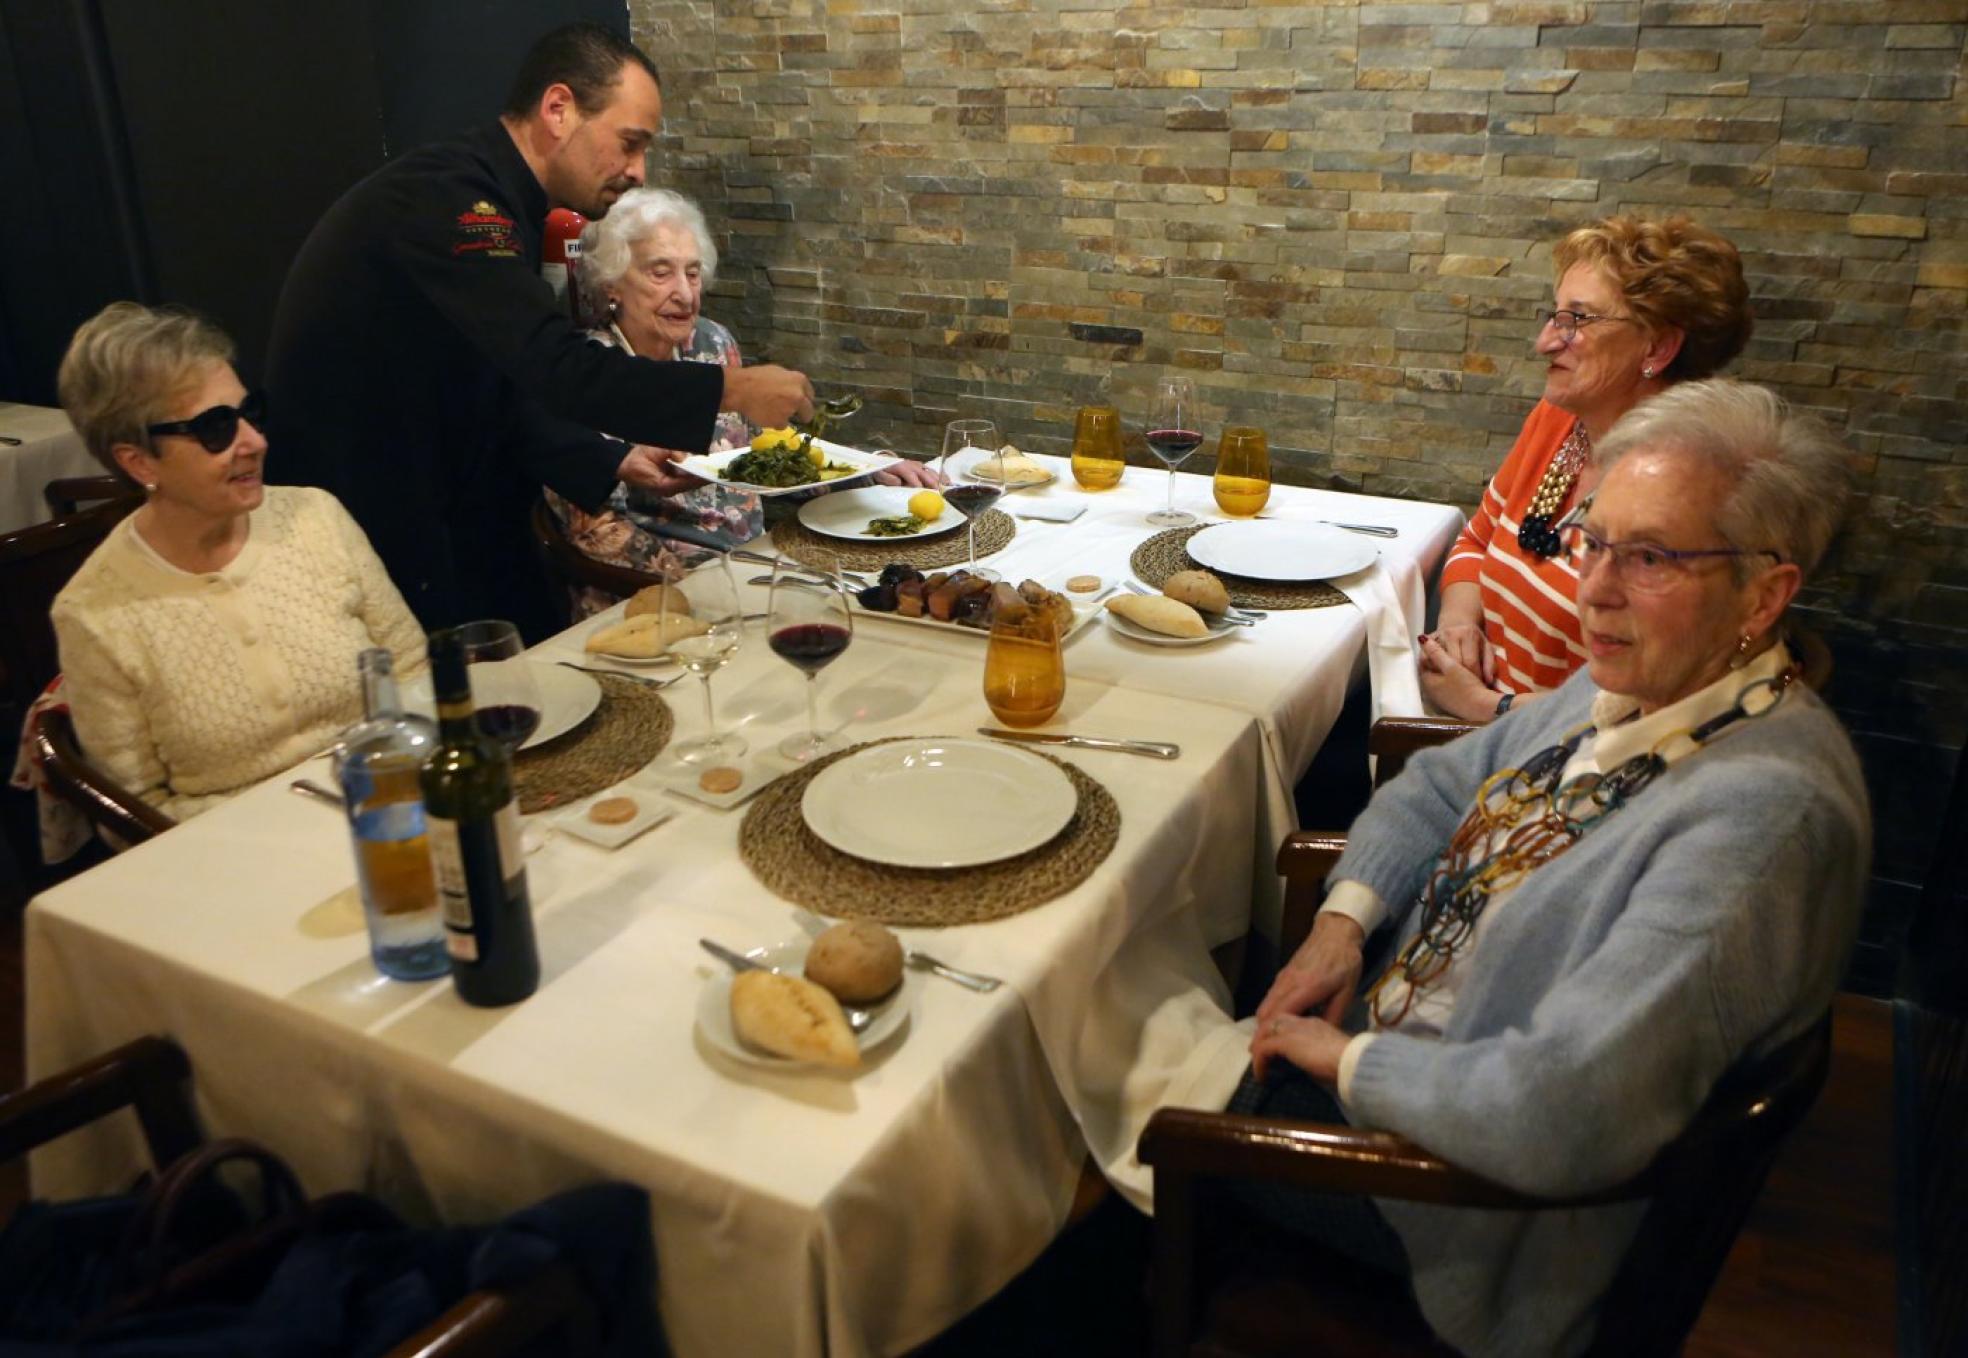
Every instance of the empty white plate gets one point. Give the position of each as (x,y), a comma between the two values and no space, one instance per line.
(938,803)
(1279,549)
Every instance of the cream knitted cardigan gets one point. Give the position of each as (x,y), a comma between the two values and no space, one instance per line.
(189,687)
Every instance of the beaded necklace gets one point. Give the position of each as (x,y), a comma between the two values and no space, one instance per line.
(1537,533)
(1524,818)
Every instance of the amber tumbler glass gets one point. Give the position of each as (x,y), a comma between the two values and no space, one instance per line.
(1024,666)
(1097,458)
(1243,471)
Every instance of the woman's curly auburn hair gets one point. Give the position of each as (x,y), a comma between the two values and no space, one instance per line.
(1672,273)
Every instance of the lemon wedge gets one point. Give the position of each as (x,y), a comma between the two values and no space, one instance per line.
(926,505)
(815,455)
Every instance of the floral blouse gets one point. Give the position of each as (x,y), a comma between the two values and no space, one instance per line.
(652,532)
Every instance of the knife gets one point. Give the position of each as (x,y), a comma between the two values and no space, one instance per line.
(1154,749)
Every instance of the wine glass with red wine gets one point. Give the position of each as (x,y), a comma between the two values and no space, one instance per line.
(809,628)
(967,491)
(1174,432)
(504,688)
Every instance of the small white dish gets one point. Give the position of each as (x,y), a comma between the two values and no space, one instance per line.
(1281,549)
(567,698)
(939,803)
(845,513)
(680,780)
(651,811)
(1218,629)
(984,468)
(714,1010)
(639,661)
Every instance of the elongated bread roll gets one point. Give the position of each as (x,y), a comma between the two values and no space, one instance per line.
(657,599)
(644,637)
(1158,613)
(793,1018)
(1200,590)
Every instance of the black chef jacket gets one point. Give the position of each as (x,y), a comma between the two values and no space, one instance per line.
(417,366)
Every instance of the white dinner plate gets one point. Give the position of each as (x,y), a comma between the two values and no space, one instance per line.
(938,803)
(845,513)
(1280,549)
(714,1009)
(1134,631)
(567,698)
(711,467)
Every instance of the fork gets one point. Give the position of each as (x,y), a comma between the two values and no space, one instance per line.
(761,559)
(1240,617)
(657,684)
(969,980)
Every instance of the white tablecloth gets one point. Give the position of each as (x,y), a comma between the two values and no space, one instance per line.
(49,449)
(794,1214)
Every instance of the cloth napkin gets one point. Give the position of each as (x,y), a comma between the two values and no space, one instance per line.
(1052,511)
(1394,618)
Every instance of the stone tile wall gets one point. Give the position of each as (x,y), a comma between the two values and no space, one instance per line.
(1338,218)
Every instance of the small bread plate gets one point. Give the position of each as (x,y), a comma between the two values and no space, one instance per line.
(1281,549)
(686,780)
(614,658)
(845,514)
(714,1009)
(567,697)
(1133,631)
(935,803)
(650,812)
(711,467)
(985,468)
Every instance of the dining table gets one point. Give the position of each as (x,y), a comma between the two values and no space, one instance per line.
(795,1211)
(37,445)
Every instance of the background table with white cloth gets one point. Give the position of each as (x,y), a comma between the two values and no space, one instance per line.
(794,1213)
(49,449)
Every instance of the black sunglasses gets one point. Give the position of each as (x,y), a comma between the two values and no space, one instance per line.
(215,429)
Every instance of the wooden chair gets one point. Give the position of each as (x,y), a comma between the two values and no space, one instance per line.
(67,494)
(574,568)
(127,818)
(150,1076)
(35,562)
(1283,1295)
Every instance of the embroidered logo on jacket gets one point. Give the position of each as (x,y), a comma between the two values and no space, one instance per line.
(484,230)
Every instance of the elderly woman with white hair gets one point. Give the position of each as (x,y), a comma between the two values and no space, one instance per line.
(1598,903)
(644,267)
(211,640)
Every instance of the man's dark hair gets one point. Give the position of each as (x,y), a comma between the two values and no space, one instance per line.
(586,58)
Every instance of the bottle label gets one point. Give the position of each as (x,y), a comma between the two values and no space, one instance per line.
(495,845)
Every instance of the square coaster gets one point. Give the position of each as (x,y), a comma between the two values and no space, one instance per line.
(651,811)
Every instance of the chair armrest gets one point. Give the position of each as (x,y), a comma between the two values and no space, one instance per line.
(1304,860)
(147,1075)
(66,494)
(576,567)
(1334,1158)
(491,1324)
(107,805)
(1393,739)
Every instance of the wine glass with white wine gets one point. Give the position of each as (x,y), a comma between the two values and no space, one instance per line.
(713,598)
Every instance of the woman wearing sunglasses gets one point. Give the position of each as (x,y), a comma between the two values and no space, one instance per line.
(1639,307)
(211,640)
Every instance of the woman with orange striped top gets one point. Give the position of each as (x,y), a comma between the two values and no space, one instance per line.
(1639,306)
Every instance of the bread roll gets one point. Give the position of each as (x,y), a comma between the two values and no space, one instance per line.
(1158,613)
(657,599)
(1200,590)
(792,1018)
(857,960)
(644,637)
(1019,470)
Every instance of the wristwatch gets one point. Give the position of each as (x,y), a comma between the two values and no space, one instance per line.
(1503,703)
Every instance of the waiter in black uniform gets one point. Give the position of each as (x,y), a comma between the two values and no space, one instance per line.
(422,370)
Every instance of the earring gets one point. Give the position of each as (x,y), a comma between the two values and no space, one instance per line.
(1647,372)
(614,307)
(1741,657)
(149,487)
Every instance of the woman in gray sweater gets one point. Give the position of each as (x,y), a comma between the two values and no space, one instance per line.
(1600,903)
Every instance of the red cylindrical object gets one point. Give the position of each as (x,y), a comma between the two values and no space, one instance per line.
(560,257)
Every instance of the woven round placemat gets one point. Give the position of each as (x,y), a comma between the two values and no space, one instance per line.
(994,533)
(628,729)
(1161,556)
(793,861)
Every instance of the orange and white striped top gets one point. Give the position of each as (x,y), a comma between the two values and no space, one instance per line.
(1530,603)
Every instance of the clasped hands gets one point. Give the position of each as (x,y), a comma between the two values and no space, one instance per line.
(1458,672)
(1322,976)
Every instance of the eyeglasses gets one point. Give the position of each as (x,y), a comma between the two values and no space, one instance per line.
(1642,565)
(1570,322)
(215,429)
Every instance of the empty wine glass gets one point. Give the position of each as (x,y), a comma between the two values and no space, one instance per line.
(809,628)
(970,493)
(1173,434)
(713,599)
(505,689)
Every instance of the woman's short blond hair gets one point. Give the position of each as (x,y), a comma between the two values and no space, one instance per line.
(127,366)
(1672,273)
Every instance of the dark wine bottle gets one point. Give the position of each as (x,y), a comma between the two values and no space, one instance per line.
(473,825)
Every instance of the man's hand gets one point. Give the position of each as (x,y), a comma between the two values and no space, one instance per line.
(909,472)
(1452,687)
(1311,1044)
(768,395)
(1323,974)
(650,468)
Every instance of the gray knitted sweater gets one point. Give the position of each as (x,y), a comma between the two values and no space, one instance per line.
(1708,918)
